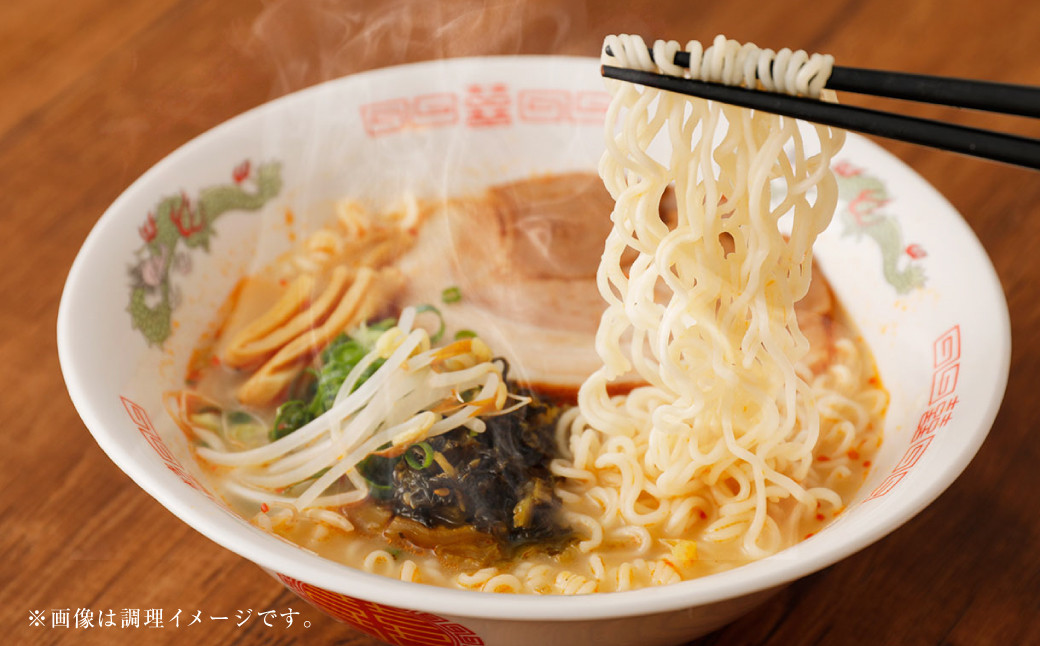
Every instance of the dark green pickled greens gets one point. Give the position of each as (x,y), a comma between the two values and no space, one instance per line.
(322,384)
(498,483)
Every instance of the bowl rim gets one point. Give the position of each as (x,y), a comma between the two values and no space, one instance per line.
(279,556)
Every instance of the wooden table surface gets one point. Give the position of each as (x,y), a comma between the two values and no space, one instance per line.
(94,92)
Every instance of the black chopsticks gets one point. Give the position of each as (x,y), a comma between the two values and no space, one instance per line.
(1022,100)
(977,95)
(962,93)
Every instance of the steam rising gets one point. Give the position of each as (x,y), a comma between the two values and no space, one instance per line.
(311,42)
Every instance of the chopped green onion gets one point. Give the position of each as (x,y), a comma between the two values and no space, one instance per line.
(291,415)
(465,334)
(451,295)
(378,473)
(436,336)
(380,491)
(242,429)
(208,419)
(427,459)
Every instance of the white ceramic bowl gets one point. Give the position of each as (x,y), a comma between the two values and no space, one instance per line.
(907,267)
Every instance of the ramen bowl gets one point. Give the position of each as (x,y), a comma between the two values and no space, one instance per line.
(153,272)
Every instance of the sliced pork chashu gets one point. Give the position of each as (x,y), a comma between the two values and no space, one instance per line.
(524,257)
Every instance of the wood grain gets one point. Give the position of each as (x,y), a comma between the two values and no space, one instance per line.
(96,92)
